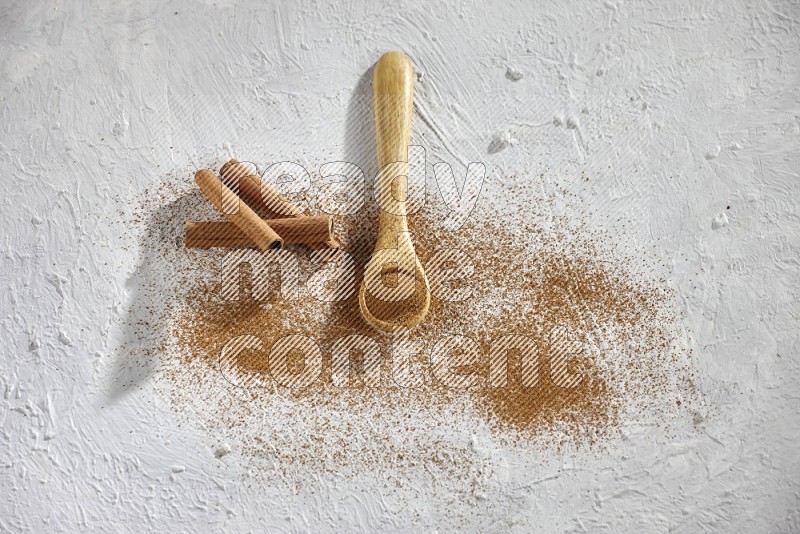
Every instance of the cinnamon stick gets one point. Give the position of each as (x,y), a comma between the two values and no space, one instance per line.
(262,196)
(300,230)
(257,192)
(237,212)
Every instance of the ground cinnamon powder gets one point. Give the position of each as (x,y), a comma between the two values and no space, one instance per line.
(534,277)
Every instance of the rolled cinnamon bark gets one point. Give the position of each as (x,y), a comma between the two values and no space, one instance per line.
(237,212)
(300,230)
(262,196)
(256,192)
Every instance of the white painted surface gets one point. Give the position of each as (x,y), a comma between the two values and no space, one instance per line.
(680,109)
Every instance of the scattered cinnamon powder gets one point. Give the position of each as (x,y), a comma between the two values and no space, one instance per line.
(548,277)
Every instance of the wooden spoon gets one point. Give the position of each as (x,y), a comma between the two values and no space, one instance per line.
(403,304)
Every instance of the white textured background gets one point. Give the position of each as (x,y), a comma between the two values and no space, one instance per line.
(676,109)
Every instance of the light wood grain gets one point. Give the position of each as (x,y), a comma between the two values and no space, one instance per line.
(393,94)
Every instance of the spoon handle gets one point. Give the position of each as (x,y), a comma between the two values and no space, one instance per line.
(393,92)
(393,95)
